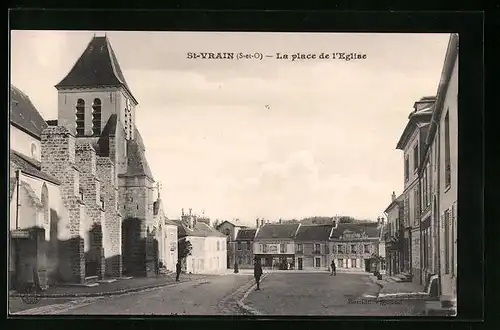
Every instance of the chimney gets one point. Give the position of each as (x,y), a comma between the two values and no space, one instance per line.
(257,223)
(393,196)
(190,211)
(182,211)
(261,222)
(334,222)
(279,221)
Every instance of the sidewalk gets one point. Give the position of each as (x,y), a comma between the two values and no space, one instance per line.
(325,271)
(120,286)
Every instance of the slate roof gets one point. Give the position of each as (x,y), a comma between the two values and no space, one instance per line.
(137,164)
(30,166)
(236,224)
(277,231)
(246,234)
(96,67)
(371,229)
(201,229)
(170,222)
(422,116)
(314,233)
(23,114)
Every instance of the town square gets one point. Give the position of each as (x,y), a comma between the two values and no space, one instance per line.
(148,177)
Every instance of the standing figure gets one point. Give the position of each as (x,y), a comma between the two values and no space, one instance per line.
(257,273)
(334,270)
(178,270)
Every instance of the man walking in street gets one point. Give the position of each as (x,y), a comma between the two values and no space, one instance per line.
(178,270)
(257,272)
(334,270)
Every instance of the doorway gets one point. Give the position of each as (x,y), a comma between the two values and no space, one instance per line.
(300,263)
(367,265)
(317,262)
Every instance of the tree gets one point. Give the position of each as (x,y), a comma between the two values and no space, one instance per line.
(215,223)
(184,249)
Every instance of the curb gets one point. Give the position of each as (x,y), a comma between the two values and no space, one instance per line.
(248,309)
(98,294)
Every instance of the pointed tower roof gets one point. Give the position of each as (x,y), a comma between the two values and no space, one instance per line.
(96,67)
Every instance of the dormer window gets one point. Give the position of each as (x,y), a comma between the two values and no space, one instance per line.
(80,117)
(96,117)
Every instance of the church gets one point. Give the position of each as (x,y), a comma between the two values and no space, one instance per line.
(82,194)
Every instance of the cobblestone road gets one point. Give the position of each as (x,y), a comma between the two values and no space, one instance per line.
(214,295)
(322,294)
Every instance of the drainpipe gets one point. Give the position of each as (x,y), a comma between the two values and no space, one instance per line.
(18,185)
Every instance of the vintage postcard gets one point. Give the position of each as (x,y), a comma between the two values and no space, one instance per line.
(231,173)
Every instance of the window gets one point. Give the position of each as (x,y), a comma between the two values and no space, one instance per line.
(340,263)
(96,117)
(353,248)
(218,246)
(415,157)
(367,248)
(264,248)
(80,117)
(248,245)
(227,232)
(239,246)
(317,262)
(81,194)
(416,209)
(300,248)
(102,203)
(34,153)
(282,248)
(353,263)
(447,156)
(407,169)
(317,248)
(446,224)
(340,248)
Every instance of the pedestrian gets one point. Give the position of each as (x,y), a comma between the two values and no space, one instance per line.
(257,273)
(334,270)
(177,270)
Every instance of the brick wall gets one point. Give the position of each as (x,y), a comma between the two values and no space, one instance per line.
(58,159)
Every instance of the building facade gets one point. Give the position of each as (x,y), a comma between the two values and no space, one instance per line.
(312,246)
(231,230)
(353,245)
(165,234)
(412,143)
(394,236)
(274,245)
(243,248)
(209,246)
(443,143)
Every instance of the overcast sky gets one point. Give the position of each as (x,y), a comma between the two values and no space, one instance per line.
(249,138)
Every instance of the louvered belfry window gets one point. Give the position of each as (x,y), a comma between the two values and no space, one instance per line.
(96,117)
(80,117)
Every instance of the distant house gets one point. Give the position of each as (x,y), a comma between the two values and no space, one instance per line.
(274,244)
(312,246)
(353,245)
(230,230)
(209,252)
(243,249)
(166,235)
(394,234)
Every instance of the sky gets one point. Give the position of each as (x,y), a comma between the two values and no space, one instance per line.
(249,138)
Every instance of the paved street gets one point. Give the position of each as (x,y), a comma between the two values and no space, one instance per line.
(281,294)
(213,295)
(322,294)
